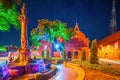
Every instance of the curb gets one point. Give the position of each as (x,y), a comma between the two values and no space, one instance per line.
(77,68)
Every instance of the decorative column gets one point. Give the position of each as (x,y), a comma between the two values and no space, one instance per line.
(23,21)
(23,56)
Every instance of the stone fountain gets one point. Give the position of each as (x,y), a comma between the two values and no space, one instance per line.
(24,67)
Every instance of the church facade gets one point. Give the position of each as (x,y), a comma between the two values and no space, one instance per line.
(78,43)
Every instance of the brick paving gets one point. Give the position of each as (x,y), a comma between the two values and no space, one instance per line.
(97,75)
(65,74)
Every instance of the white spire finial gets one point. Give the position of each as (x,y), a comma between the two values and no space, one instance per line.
(76,26)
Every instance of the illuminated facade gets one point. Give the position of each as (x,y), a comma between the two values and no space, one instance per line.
(78,43)
(109,47)
(45,46)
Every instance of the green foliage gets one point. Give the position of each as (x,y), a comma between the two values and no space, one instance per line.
(64,54)
(35,41)
(94,52)
(60,30)
(42,53)
(47,54)
(102,68)
(54,29)
(3,48)
(8,17)
(35,48)
(83,55)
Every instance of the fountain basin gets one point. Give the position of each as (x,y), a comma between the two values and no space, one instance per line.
(38,75)
(35,70)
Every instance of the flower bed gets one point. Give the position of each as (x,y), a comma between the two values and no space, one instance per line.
(102,68)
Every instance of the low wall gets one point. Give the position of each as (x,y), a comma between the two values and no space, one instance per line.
(77,68)
(31,76)
(49,74)
(57,61)
(38,76)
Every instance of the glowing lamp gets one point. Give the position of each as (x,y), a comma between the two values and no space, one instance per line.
(57,45)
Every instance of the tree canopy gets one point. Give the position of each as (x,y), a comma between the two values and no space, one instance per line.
(8,18)
(49,30)
(2,48)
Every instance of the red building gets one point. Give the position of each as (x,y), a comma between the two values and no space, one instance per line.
(109,47)
(78,43)
(44,47)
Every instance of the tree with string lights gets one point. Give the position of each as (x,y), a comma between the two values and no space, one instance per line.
(94,52)
(50,30)
(6,20)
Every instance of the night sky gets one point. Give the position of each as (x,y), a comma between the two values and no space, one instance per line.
(93,17)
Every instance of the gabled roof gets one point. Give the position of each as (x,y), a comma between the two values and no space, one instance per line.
(110,38)
(79,35)
(76,27)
